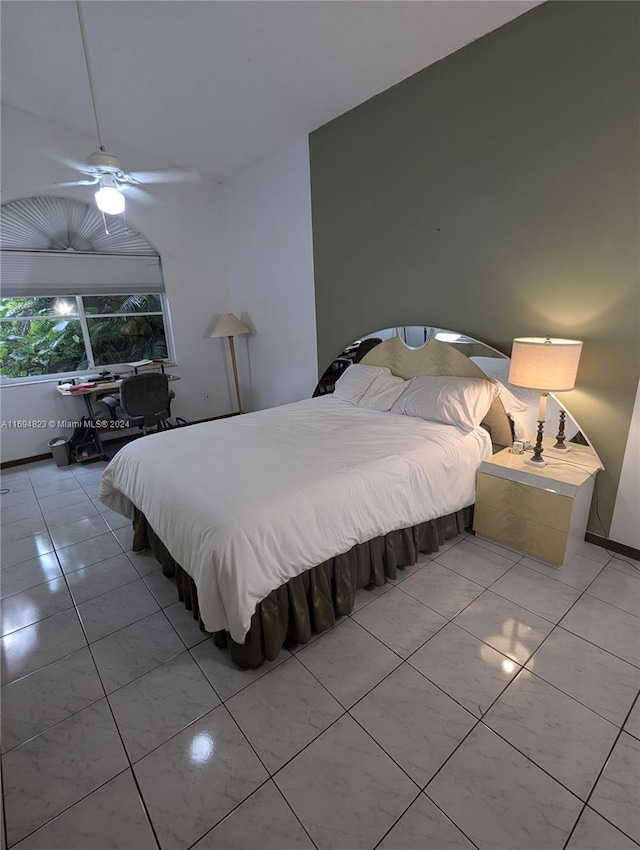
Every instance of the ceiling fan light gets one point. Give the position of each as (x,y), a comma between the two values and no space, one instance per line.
(110,200)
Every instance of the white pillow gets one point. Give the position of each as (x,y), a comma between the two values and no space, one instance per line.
(510,403)
(514,408)
(383,392)
(463,402)
(356,380)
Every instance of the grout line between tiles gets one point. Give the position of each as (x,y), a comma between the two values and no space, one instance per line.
(242,802)
(566,629)
(413,651)
(453,823)
(480,721)
(566,693)
(58,722)
(130,764)
(143,803)
(175,734)
(271,775)
(597,779)
(389,755)
(106,695)
(126,752)
(294,655)
(229,813)
(66,809)
(612,604)
(277,787)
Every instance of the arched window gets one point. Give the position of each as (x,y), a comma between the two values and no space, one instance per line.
(74,297)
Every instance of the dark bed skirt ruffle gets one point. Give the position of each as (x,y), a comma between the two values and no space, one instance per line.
(313,601)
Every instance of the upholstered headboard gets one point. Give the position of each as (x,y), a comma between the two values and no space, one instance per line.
(438,358)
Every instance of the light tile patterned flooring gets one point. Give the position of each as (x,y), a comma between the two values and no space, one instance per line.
(481,700)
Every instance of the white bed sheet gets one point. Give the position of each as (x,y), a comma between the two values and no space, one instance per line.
(246,503)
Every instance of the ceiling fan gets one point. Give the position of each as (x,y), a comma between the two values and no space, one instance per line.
(103,168)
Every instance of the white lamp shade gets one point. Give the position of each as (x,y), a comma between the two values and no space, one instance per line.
(110,200)
(549,365)
(229,325)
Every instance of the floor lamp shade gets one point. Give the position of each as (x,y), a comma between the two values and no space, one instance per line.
(229,325)
(547,365)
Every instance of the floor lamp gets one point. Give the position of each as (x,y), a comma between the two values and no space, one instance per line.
(229,325)
(548,365)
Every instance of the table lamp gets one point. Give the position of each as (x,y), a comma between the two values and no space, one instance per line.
(229,325)
(547,365)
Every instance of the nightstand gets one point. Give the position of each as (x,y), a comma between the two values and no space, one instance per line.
(541,512)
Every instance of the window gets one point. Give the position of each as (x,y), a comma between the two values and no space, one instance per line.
(74,296)
(53,335)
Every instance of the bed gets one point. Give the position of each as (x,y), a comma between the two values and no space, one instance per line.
(272,521)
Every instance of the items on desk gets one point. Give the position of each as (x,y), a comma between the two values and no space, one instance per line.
(106,377)
(137,363)
(80,388)
(145,364)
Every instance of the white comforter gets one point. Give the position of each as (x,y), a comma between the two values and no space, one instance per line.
(246,503)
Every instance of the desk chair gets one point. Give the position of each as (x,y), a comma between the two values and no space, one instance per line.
(146,399)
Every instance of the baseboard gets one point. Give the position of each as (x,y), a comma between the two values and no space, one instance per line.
(612,546)
(32,459)
(7,464)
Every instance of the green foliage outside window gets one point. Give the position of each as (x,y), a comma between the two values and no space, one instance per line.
(44,336)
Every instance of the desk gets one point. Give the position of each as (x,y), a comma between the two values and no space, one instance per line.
(92,394)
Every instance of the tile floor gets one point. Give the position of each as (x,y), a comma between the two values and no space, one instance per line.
(481,700)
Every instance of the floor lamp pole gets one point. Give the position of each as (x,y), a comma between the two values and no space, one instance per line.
(235,372)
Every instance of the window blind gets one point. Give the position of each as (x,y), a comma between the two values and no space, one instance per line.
(47,273)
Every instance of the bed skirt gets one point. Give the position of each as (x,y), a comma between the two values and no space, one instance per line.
(313,601)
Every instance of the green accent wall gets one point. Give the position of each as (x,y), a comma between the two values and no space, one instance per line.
(497,193)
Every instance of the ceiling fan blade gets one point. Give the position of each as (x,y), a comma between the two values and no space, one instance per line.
(165,175)
(77,183)
(66,161)
(135,193)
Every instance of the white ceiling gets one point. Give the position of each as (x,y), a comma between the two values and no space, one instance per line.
(216,86)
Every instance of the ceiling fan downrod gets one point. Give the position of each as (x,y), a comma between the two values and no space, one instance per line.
(87,62)
(108,197)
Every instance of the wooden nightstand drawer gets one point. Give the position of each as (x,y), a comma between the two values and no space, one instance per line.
(540,511)
(530,503)
(535,538)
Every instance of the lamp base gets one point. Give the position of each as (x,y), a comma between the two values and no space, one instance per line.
(536,461)
(559,449)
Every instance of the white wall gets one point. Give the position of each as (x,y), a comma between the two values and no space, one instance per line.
(185,224)
(244,247)
(270,268)
(625,527)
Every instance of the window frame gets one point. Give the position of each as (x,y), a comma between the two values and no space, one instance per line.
(79,314)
